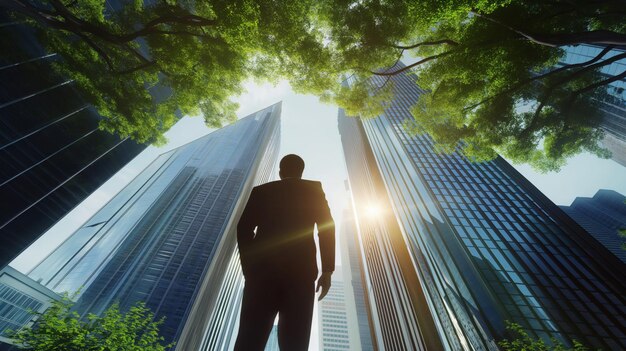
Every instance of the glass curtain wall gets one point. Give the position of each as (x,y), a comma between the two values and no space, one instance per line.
(489,247)
(52,153)
(169,234)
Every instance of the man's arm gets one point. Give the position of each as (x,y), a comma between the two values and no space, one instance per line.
(326,235)
(245,229)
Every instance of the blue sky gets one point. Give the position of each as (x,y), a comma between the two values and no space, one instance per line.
(309,129)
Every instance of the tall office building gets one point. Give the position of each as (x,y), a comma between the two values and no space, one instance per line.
(337,320)
(613,105)
(272,341)
(52,153)
(602,216)
(20,298)
(487,245)
(353,274)
(168,238)
(399,315)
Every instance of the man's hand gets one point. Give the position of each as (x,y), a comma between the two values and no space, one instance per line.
(324,283)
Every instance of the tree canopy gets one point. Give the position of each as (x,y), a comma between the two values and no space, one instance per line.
(521,341)
(491,69)
(60,328)
(143,64)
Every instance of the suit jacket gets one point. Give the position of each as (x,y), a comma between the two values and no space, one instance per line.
(284,214)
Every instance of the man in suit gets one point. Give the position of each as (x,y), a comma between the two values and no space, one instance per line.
(278,258)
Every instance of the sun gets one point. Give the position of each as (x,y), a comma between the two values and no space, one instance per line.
(373,210)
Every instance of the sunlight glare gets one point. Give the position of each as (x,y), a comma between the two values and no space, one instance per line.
(373,210)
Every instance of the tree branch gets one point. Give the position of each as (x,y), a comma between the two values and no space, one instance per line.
(389,77)
(602,37)
(148,28)
(426,43)
(97,49)
(136,68)
(424,60)
(136,53)
(597,85)
(551,89)
(38,14)
(541,76)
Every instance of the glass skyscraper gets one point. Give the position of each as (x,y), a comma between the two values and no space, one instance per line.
(272,341)
(52,153)
(354,276)
(168,238)
(20,297)
(337,317)
(398,313)
(602,216)
(487,246)
(613,105)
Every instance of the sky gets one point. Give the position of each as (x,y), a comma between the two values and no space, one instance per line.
(309,129)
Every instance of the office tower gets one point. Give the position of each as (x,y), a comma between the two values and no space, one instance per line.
(602,216)
(52,153)
(168,238)
(272,342)
(487,245)
(613,105)
(20,296)
(398,313)
(353,273)
(337,320)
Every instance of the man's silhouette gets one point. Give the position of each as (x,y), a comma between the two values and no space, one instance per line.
(279,258)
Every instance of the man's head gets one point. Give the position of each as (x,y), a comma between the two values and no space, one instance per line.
(291,166)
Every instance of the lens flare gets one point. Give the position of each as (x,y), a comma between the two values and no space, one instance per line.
(373,210)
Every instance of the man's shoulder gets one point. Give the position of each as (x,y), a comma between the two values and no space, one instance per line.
(268,185)
(288,182)
(311,183)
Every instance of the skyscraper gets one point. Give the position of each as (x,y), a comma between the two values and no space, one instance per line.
(20,296)
(52,153)
(487,245)
(613,105)
(337,319)
(333,318)
(399,315)
(602,216)
(272,341)
(354,278)
(168,238)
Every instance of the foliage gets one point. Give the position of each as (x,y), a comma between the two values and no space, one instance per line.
(489,70)
(488,67)
(521,341)
(147,62)
(60,328)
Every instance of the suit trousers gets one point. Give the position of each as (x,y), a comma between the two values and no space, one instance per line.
(291,298)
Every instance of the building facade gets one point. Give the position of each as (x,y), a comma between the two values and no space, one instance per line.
(334,328)
(20,297)
(168,238)
(399,316)
(52,153)
(613,105)
(488,247)
(272,341)
(602,216)
(353,275)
